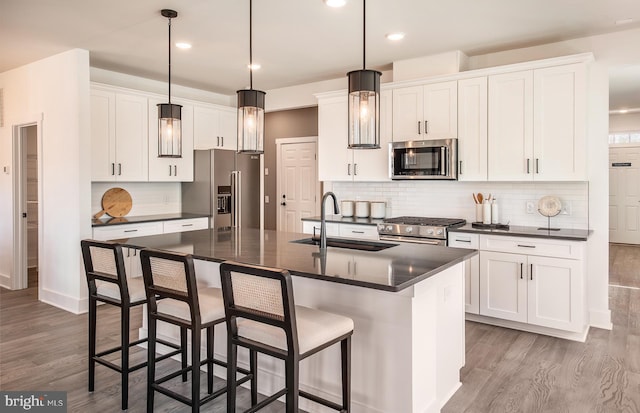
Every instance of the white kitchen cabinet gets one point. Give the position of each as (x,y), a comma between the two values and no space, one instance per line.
(215,127)
(118,136)
(336,162)
(472,129)
(124,231)
(171,169)
(184,225)
(425,112)
(359,231)
(472,270)
(503,285)
(333,228)
(537,125)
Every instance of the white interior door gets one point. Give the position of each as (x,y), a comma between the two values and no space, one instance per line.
(297,183)
(624,195)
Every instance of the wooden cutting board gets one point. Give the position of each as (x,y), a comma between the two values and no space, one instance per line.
(116,202)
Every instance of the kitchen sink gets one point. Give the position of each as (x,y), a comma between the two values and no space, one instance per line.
(348,243)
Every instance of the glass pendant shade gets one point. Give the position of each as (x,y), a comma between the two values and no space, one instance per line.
(364,109)
(169,130)
(251,121)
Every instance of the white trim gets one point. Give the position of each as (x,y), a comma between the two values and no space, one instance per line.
(600,319)
(5,281)
(66,302)
(624,286)
(288,141)
(582,336)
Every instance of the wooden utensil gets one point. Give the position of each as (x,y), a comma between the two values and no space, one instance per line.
(474,198)
(480,198)
(116,202)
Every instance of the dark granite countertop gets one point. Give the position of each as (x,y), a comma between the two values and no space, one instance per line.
(108,221)
(533,232)
(347,220)
(392,269)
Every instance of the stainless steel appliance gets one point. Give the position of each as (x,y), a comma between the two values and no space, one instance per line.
(429,159)
(418,229)
(226,186)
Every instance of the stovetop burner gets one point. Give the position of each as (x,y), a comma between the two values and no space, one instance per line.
(440,222)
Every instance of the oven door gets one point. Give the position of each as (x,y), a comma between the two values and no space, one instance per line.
(413,240)
(434,159)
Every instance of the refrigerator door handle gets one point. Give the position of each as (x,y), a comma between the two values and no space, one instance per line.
(236,198)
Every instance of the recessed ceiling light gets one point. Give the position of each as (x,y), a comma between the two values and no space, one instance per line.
(254,66)
(623,21)
(335,3)
(395,36)
(183,45)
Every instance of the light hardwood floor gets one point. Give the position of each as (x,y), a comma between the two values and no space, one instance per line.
(44,348)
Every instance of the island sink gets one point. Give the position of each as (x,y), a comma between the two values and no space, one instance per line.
(348,243)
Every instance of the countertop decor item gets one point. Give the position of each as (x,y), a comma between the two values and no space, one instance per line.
(549,206)
(346,208)
(378,209)
(362,209)
(116,202)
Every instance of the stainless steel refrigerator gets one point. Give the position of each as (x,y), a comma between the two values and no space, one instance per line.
(226,186)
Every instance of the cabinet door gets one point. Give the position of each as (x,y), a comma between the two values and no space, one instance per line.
(472,129)
(510,150)
(103,135)
(171,169)
(472,270)
(131,138)
(373,164)
(555,297)
(408,114)
(559,140)
(335,160)
(206,123)
(441,110)
(228,129)
(503,285)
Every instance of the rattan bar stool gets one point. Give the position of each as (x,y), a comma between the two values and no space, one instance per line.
(171,277)
(261,315)
(108,283)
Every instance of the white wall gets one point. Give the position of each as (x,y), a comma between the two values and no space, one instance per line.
(148,198)
(627,122)
(56,89)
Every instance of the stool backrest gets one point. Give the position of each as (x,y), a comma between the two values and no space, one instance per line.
(170,275)
(261,294)
(103,260)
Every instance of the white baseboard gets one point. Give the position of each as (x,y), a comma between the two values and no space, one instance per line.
(582,336)
(63,301)
(5,281)
(600,319)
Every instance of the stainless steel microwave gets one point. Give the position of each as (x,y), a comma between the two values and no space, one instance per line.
(429,159)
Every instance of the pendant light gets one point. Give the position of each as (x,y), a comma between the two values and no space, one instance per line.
(364,102)
(169,115)
(251,108)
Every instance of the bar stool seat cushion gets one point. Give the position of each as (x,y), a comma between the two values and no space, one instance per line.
(315,328)
(211,306)
(111,290)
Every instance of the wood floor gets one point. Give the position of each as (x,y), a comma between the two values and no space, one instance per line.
(44,348)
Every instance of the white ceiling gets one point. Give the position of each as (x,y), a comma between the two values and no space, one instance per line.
(296,41)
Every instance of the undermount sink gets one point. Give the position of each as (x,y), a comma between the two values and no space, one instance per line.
(348,243)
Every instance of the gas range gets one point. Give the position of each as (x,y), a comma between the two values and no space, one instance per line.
(418,229)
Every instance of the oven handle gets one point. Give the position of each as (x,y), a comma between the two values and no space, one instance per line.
(413,240)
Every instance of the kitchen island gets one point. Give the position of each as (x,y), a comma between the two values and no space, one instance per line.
(407,303)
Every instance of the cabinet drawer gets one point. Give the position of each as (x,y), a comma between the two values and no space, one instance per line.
(127,231)
(359,231)
(463,240)
(183,225)
(333,229)
(533,246)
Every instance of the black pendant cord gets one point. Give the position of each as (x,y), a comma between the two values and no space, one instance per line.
(364,33)
(169,60)
(250,46)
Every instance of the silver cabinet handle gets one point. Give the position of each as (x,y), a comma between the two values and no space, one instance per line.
(113,168)
(527,165)
(187,225)
(537,165)
(355,169)
(463,240)
(222,139)
(531,272)
(426,127)
(175,170)
(119,169)
(130,230)
(349,169)
(218,140)
(460,168)
(521,271)
(357,232)
(418,127)
(169,170)
(526,246)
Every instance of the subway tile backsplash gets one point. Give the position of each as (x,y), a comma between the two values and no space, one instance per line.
(448,199)
(148,198)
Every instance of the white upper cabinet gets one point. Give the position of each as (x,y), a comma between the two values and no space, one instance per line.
(171,169)
(118,136)
(425,112)
(559,123)
(215,127)
(472,129)
(336,162)
(537,125)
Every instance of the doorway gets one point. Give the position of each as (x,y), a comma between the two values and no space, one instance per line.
(27,206)
(298,187)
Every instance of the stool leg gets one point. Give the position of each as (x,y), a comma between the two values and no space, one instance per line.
(183,348)
(124,364)
(345,346)
(292,365)
(210,338)
(253,368)
(151,362)
(232,361)
(195,368)
(92,342)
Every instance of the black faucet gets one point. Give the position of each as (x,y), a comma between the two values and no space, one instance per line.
(323,225)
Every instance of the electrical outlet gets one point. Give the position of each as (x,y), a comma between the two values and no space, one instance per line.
(266,199)
(566,208)
(530,206)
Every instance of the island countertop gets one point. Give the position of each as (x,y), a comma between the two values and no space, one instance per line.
(392,269)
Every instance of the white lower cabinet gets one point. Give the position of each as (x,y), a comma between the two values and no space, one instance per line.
(471,270)
(503,285)
(336,229)
(313,227)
